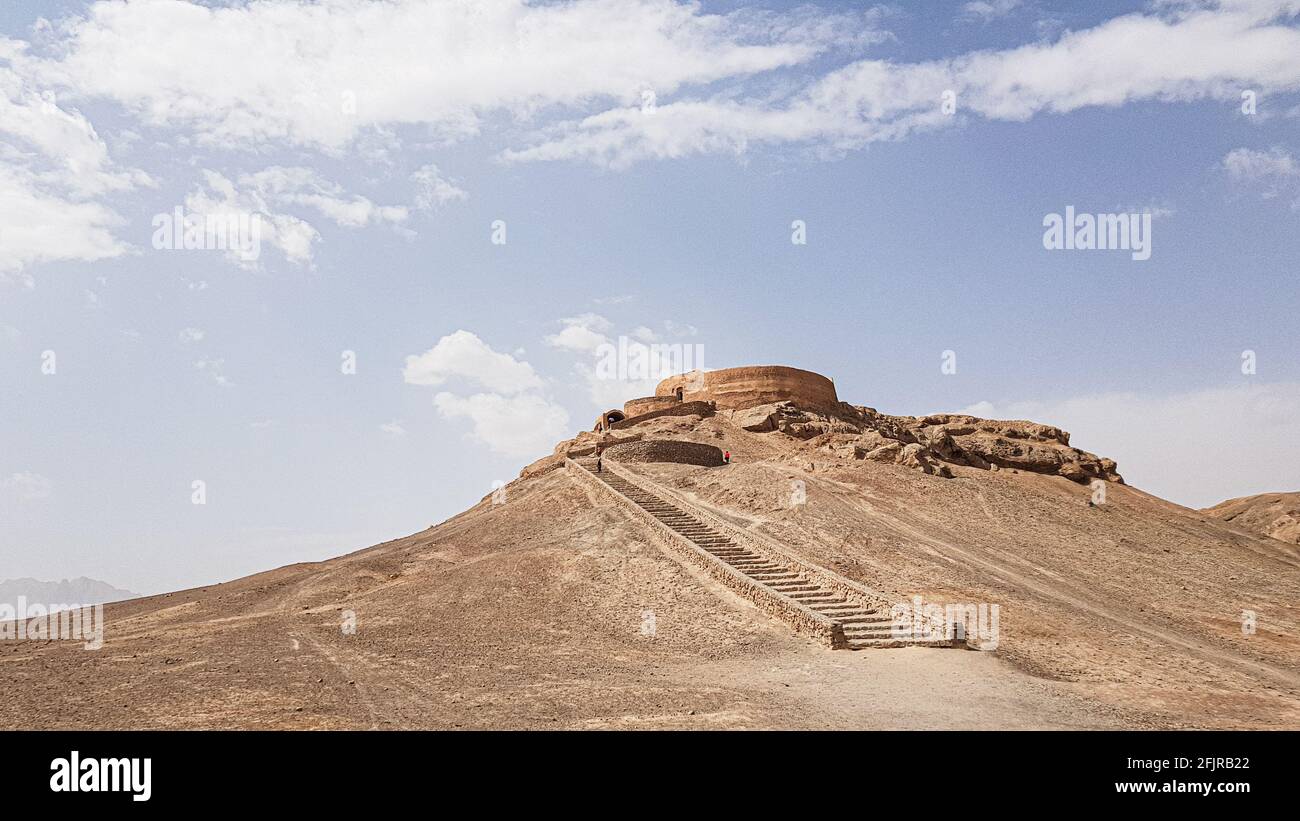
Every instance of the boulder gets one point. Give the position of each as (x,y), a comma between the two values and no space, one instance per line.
(761,419)
(1074,472)
(885,453)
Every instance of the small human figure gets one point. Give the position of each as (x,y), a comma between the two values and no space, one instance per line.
(598,467)
(726,457)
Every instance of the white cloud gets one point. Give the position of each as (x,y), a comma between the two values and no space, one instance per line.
(615,370)
(582,333)
(464,355)
(611,392)
(433,190)
(1271,170)
(53,167)
(512,416)
(986,10)
(393,428)
(521,425)
(267,193)
(38,226)
(1248,164)
(26,487)
(293,236)
(1181,53)
(1196,448)
(322,74)
(304,187)
(189,335)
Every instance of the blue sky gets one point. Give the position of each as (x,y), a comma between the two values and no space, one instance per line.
(379,143)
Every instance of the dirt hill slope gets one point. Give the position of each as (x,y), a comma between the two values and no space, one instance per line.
(554,609)
(1276,515)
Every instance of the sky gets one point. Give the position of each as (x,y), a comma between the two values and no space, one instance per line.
(460,206)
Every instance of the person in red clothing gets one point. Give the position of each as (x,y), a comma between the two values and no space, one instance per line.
(726,457)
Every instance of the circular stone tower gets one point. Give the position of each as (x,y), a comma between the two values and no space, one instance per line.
(747,387)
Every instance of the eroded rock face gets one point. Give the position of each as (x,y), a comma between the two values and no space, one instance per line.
(1272,514)
(1017,444)
(930,443)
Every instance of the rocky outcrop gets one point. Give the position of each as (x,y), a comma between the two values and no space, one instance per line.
(1028,446)
(931,443)
(1276,515)
(542,466)
(788,418)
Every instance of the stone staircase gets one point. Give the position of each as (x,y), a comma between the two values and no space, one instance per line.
(863,626)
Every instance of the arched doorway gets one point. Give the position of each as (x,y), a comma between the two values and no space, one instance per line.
(607,420)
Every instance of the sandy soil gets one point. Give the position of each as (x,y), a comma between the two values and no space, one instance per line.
(535,614)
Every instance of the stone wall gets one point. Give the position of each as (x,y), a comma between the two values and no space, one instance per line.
(671,408)
(739,388)
(665,450)
(648,404)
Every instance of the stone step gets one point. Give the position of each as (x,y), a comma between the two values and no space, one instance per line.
(863,627)
(808,599)
(868,634)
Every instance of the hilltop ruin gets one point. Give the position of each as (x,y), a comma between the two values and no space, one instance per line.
(804,405)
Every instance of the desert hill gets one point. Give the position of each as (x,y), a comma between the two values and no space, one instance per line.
(1271,514)
(548,606)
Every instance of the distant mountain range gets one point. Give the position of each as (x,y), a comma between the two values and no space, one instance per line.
(81,591)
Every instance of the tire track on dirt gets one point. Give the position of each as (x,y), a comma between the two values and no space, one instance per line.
(363,692)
